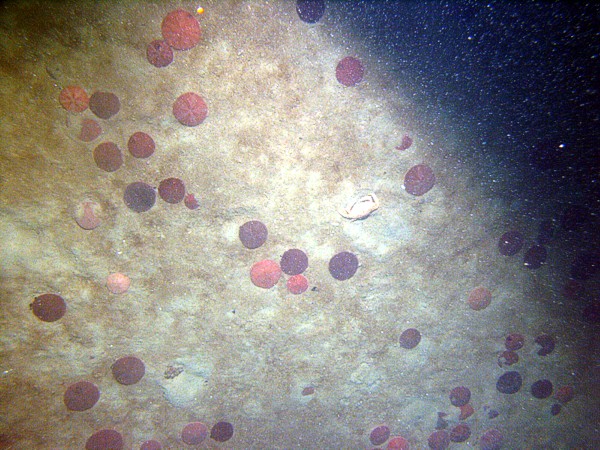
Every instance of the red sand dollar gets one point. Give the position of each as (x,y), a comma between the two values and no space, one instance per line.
(545,232)
(509,382)
(349,71)
(508,358)
(565,394)
(466,411)
(159,53)
(171,190)
(194,433)
(90,130)
(265,273)
(105,440)
(514,341)
(535,257)
(573,289)
(81,396)
(439,440)
(379,434)
(190,202)
(128,370)
(460,433)
(491,440)
(479,298)
(405,144)
(297,284)
(108,156)
(460,396)
(190,109)
(141,145)
(104,104)
(419,180)
(398,443)
(151,445)
(74,99)
(49,307)
(310,11)
(181,30)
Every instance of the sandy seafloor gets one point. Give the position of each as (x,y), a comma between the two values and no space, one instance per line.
(286,144)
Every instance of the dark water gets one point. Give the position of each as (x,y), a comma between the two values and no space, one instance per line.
(520,76)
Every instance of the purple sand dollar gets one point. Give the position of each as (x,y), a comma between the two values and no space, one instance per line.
(310,11)
(294,261)
(221,431)
(49,307)
(509,382)
(535,257)
(81,396)
(104,104)
(542,389)
(510,243)
(139,196)
(253,234)
(410,338)
(128,370)
(343,265)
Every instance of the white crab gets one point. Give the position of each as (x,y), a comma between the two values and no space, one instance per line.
(361,208)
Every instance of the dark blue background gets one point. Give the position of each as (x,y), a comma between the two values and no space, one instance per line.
(520,76)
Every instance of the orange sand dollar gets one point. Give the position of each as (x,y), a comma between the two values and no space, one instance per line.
(74,99)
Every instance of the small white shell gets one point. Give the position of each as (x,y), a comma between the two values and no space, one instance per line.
(361,208)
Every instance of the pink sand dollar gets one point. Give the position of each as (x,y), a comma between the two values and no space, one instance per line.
(86,215)
(479,298)
(297,284)
(90,130)
(190,109)
(350,71)
(265,274)
(181,30)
